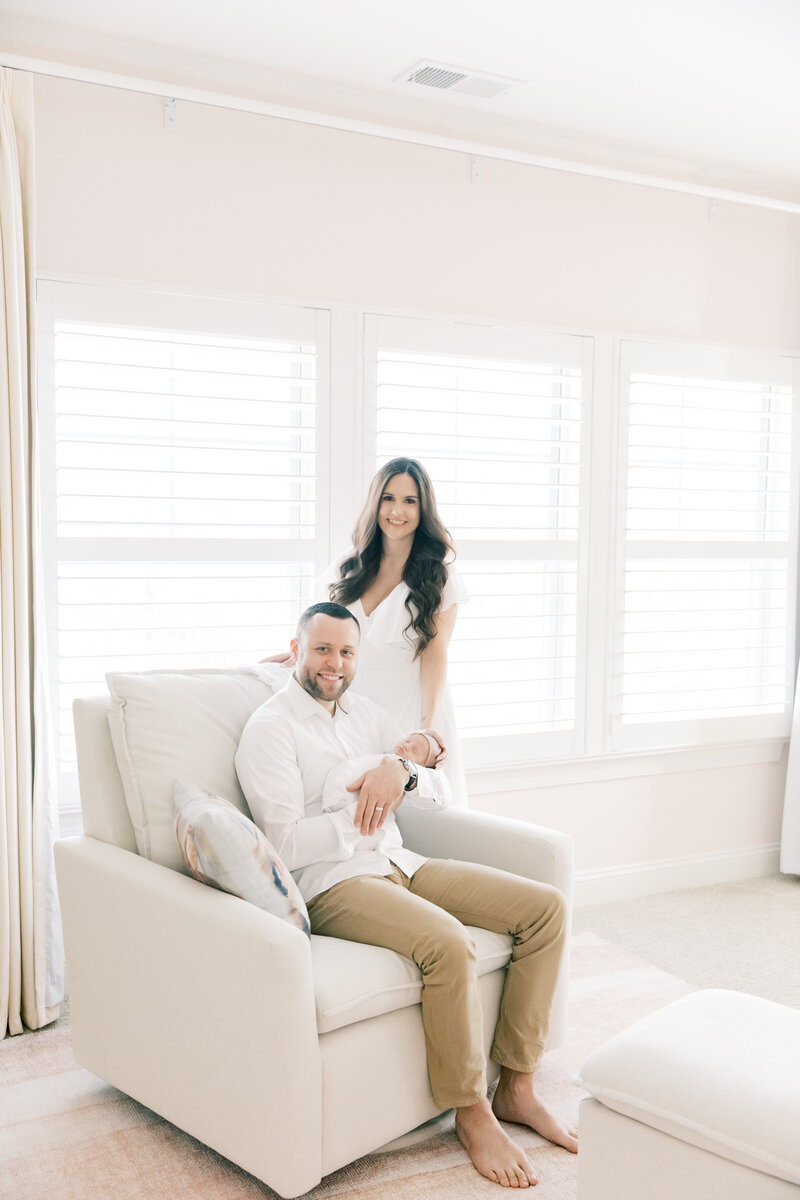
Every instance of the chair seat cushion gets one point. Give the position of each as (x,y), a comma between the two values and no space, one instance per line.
(717,1069)
(353,981)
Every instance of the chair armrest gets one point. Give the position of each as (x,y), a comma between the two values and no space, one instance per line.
(197,1004)
(528,850)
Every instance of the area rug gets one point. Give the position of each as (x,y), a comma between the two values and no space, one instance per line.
(66,1135)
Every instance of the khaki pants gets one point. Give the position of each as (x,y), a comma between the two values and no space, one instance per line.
(424,919)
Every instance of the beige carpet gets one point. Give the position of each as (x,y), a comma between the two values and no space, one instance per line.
(65,1135)
(743,935)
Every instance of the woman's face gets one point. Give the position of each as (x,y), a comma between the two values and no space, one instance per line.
(398,512)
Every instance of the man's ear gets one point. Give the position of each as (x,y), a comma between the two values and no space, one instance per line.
(294,646)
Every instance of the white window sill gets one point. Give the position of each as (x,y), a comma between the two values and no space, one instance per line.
(523,776)
(70,822)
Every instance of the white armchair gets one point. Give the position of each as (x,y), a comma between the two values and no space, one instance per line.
(289,1056)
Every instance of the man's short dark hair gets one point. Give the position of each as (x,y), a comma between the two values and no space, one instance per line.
(326,609)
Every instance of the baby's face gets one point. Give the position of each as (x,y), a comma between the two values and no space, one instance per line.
(417,747)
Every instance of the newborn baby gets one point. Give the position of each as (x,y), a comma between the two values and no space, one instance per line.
(421,748)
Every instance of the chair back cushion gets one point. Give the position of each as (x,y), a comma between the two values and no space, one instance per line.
(169,725)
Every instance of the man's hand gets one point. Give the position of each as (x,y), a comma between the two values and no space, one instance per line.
(381,793)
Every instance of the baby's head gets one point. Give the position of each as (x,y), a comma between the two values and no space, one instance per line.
(421,748)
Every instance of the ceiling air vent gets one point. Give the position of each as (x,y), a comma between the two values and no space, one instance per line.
(457,80)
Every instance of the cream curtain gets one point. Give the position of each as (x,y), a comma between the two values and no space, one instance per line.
(790,838)
(31,958)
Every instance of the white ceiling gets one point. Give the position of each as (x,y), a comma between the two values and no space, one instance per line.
(707,91)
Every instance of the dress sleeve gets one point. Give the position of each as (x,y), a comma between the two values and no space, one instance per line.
(454,591)
(274,675)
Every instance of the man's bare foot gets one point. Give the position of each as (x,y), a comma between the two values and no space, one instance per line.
(515,1100)
(491,1149)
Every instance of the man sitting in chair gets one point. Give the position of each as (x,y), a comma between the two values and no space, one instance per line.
(361,883)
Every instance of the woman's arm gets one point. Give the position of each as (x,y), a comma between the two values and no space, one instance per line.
(433,664)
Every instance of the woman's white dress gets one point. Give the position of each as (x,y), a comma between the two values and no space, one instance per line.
(388,673)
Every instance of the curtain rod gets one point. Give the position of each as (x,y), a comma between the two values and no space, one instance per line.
(302,116)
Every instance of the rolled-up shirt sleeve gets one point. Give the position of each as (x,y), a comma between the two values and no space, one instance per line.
(268,770)
(432,790)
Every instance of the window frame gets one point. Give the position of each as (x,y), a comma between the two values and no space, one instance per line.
(718,364)
(63,299)
(346,461)
(443,335)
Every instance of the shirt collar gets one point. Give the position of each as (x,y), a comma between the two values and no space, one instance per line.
(305,706)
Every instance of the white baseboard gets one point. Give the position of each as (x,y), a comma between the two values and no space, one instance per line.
(672,874)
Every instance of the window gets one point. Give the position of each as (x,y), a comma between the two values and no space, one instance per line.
(708,503)
(184,446)
(496,415)
(625,513)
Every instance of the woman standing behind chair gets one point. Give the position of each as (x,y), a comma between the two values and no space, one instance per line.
(399,582)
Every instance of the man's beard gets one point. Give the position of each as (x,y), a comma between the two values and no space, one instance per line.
(312,687)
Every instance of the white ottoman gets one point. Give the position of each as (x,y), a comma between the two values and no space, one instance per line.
(698,1101)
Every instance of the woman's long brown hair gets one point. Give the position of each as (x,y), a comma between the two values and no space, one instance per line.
(425,571)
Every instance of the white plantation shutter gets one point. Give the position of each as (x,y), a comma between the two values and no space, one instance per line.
(170,434)
(143,614)
(188,503)
(514,673)
(185,446)
(496,417)
(706,585)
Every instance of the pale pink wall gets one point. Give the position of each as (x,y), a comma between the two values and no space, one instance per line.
(234,202)
(653,818)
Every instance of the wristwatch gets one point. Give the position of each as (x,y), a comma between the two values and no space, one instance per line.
(412,774)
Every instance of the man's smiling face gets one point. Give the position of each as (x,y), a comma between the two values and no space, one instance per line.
(326,655)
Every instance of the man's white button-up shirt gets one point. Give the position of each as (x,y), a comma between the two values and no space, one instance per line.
(286,750)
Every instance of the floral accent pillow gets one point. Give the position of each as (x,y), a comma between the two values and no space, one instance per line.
(224,848)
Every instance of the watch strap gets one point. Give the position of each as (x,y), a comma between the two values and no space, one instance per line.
(413,774)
